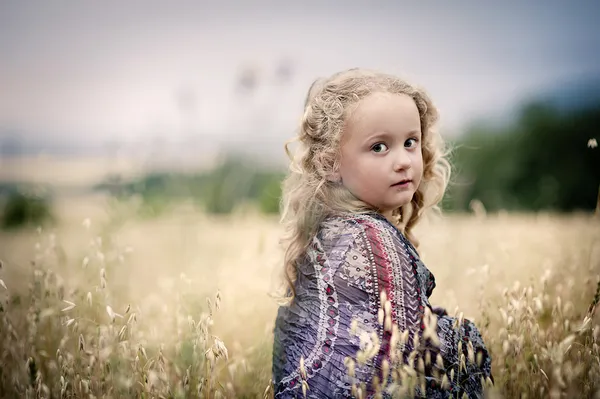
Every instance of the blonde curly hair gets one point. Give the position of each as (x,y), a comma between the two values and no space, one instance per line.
(308,195)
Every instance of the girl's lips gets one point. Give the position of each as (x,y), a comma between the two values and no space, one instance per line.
(402,183)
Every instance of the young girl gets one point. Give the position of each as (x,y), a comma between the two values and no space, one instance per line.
(358,321)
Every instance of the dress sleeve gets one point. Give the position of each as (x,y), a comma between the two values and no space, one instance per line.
(376,265)
(465,355)
(392,275)
(381,264)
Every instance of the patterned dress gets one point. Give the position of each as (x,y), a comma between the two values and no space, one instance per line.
(350,261)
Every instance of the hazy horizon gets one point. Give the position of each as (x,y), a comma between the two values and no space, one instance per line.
(155,71)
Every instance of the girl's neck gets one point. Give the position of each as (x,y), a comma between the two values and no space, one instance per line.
(388,216)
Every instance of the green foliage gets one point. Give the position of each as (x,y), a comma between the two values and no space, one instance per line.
(218,191)
(540,162)
(26,208)
(228,185)
(270,196)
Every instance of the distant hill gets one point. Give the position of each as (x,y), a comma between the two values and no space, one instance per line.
(577,93)
(574,94)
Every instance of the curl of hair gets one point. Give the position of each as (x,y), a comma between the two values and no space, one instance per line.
(309,196)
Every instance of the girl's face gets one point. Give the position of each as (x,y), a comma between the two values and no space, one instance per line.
(381,159)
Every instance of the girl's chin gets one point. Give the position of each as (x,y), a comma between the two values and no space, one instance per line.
(391,207)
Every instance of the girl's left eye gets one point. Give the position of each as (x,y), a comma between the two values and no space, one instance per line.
(415,142)
(379,147)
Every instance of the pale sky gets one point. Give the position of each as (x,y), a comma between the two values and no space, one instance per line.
(113,69)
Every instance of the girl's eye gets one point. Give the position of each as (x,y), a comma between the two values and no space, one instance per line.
(415,141)
(379,147)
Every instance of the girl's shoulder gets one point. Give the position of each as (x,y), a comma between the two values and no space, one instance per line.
(343,221)
(371,224)
(357,224)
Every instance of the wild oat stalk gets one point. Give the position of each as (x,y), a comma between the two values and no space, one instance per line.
(80,341)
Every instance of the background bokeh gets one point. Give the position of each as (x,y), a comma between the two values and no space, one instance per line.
(147,98)
(141,149)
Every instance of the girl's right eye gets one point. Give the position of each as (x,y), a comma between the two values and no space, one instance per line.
(379,147)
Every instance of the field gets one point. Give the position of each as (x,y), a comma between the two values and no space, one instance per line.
(110,305)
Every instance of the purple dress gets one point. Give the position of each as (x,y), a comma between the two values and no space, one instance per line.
(350,261)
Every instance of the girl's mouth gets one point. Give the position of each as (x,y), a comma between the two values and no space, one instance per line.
(402,183)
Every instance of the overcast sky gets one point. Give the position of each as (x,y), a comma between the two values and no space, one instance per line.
(119,69)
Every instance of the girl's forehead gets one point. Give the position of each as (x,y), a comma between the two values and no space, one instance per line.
(385,109)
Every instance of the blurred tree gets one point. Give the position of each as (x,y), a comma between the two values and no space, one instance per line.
(284,71)
(247,81)
(234,181)
(26,207)
(270,194)
(541,162)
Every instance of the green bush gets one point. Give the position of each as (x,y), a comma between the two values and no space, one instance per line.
(218,191)
(26,209)
(270,196)
(540,162)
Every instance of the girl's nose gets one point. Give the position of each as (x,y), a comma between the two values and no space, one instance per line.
(402,161)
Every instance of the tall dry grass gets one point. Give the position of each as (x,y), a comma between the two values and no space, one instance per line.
(178,307)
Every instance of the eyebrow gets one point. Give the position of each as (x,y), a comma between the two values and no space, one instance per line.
(386,134)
